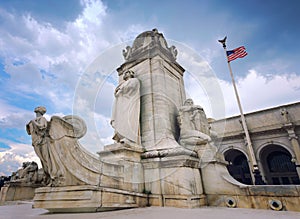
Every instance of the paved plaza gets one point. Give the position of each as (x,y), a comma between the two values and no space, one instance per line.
(25,211)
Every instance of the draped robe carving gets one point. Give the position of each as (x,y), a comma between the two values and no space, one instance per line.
(126,111)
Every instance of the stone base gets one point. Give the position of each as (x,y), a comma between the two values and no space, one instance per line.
(179,201)
(166,178)
(174,181)
(16,192)
(121,151)
(224,191)
(86,199)
(264,200)
(121,167)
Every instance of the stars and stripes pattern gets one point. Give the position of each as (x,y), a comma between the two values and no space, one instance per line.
(239,52)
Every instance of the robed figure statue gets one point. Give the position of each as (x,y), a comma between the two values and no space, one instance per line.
(53,142)
(126,111)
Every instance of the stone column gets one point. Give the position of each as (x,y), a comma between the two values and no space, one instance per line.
(162,90)
(290,128)
(295,143)
(171,171)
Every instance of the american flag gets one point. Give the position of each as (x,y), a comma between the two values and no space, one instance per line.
(239,52)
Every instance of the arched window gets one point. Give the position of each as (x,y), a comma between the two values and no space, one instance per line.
(238,166)
(278,166)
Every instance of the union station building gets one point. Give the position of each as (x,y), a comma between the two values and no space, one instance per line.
(274,135)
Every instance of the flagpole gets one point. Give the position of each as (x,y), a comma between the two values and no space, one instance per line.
(255,174)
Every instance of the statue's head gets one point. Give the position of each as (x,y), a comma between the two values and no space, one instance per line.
(188,102)
(40,109)
(128,74)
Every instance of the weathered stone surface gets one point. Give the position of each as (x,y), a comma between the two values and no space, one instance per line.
(22,183)
(17,191)
(86,199)
(126,111)
(160,98)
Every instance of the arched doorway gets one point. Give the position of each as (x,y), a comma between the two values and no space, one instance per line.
(278,166)
(238,166)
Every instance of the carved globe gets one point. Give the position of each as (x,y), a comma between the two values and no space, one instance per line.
(78,125)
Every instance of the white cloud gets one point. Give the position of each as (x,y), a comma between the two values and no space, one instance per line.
(130,33)
(93,12)
(99,130)
(258,91)
(12,159)
(200,81)
(63,54)
(45,61)
(13,117)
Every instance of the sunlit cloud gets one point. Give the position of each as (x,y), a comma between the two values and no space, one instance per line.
(13,158)
(258,91)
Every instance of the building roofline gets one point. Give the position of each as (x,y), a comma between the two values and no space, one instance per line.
(259,111)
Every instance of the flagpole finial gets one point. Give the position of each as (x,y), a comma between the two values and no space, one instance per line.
(223,41)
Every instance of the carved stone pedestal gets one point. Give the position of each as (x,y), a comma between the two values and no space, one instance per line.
(17,191)
(121,163)
(121,151)
(86,199)
(174,181)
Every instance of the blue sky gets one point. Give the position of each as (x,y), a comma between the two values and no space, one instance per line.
(47,47)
